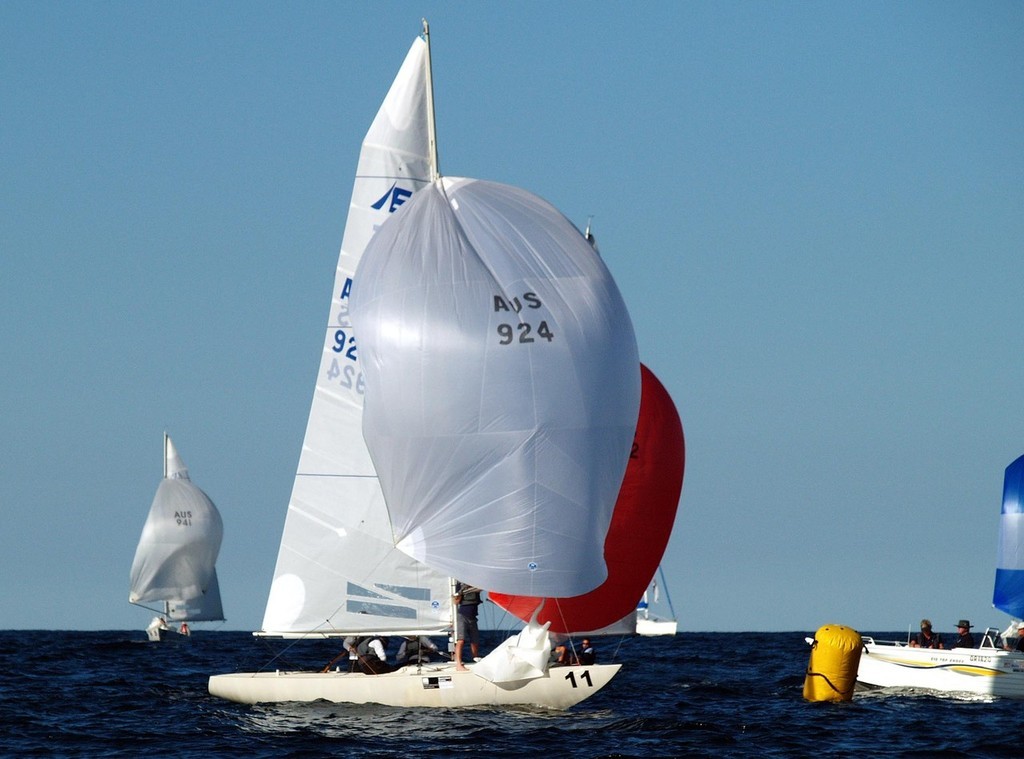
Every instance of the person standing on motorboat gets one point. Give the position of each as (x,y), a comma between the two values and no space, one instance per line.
(964,639)
(926,638)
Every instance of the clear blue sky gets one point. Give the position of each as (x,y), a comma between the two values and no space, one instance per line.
(815,212)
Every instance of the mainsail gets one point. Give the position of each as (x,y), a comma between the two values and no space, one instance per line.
(177,552)
(338,569)
(1009,586)
(640,528)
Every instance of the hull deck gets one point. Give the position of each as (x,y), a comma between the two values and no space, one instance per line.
(430,685)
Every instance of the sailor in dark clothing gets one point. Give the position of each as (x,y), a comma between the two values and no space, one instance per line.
(416,649)
(587,653)
(926,638)
(468,599)
(964,639)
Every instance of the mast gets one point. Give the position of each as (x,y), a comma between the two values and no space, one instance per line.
(435,166)
(165,454)
(668,598)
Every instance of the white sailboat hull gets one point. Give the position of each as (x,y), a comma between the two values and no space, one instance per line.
(983,671)
(656,626)
(431,686)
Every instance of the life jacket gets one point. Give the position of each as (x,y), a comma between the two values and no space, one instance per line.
(363,644)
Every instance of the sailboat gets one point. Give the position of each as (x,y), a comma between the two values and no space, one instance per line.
(490,403)
(655,614)
(990,669)
(175,561)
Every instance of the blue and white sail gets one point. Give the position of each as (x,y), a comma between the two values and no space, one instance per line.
(502,387)
(1009,587)
(338,570)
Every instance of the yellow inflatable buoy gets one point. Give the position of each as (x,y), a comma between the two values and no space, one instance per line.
(832,672)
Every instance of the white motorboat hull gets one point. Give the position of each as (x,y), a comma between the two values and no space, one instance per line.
(983,671)
(431,685)
(656,626)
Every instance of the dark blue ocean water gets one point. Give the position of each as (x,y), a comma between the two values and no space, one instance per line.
(114,694)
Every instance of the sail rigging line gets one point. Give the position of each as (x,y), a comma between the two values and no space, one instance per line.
(277,654)
(668,597)
(149,608)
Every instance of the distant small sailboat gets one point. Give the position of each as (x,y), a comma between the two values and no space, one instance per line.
(655,614)
(177,553)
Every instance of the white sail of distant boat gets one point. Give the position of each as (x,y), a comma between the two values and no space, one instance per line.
(175,561)
(655,614)
(354,562)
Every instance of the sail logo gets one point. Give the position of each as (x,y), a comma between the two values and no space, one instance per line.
(393,198)
(502,303)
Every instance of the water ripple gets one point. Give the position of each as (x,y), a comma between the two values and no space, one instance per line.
(110,694)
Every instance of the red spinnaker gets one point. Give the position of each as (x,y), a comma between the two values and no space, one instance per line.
(641,523)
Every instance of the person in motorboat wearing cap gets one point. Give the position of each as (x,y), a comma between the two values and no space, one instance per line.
(926,638)
(964,639)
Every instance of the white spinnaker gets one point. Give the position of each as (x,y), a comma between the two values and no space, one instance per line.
(503,387)
(337,569)
(177,552)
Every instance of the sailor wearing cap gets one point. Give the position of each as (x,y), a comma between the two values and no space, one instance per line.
(964,639)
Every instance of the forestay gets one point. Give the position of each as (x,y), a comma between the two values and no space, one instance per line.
(337,569)
(503,387)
